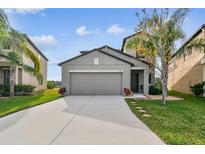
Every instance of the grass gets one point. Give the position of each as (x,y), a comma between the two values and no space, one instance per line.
(13,104)
(179,122)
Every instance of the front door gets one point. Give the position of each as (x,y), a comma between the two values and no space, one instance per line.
(135,82)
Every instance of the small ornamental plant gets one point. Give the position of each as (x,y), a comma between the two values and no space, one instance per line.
(128,92)
(198,89)
(62,90)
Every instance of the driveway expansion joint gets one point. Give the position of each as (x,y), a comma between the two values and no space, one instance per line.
(70,121)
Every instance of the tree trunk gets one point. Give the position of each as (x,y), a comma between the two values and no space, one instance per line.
(164,77)
(164,90)
(12,80)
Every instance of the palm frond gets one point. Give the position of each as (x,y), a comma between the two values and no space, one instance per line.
(17,43)
(195,45)
(28,53)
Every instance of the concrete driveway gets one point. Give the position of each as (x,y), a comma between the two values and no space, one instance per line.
(77,120)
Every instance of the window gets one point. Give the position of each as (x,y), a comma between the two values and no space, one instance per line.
(96,61)
(41,82)
(19,75)
(6,76)
(150,78)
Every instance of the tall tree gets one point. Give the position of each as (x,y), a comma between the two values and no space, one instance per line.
(157,33)
(17,43)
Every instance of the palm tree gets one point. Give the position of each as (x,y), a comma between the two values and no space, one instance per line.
(157,34)
(16,42)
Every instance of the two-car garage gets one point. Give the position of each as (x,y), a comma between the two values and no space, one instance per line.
(95,73)
(95,83)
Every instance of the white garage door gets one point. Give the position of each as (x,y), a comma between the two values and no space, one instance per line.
(95,83)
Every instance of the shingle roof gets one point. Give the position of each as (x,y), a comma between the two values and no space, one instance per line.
(97,49)
(100,49)
(119,51)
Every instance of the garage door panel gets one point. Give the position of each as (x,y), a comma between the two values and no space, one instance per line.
(96,83)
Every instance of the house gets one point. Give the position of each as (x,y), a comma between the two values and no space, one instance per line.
(20,76)
(188,70)
(105,71)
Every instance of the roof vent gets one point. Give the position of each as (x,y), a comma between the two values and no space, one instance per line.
(106,48)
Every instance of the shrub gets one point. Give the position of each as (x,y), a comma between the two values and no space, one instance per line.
(4,89)
(62,90)
(198,89)
(23,89)
(51,84)
(156,88)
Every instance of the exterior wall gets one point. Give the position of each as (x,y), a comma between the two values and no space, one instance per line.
(131,52)
(139,65)
(86,62)
(127,58)
(29,78)
(188,71)
(3,61)
(146,81)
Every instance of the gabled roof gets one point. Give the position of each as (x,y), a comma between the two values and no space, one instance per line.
(97,49)
(194,35)
(82,52)
(35,47)
(119,51)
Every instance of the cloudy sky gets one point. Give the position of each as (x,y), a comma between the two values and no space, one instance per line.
(61,33)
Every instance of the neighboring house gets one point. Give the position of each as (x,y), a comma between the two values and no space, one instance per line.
(105,71)
(20,76)
(188,70)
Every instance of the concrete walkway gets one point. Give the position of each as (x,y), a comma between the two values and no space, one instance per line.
(77,120)
(168,98)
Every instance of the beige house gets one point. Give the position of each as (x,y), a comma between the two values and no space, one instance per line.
(20,76)
(188,70)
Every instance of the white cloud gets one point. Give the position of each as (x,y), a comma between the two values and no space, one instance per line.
(43,15)
(53,62)
(115,29)
(82,30)
(44,40)
(23,10)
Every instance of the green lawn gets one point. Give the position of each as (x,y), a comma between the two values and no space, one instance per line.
(13,104)
(179,122)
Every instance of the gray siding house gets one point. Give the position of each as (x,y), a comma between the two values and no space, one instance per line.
(105,71)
